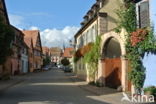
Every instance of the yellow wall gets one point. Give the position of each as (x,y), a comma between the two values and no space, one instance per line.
(110,7)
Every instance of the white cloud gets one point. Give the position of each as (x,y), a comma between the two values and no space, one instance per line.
(50,37)
(33,28)
(16,20)
(56,37)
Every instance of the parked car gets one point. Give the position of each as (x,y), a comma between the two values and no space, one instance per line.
(67,69)
(60,66)
(46,68)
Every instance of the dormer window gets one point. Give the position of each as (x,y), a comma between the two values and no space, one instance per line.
(89,16)
(86,18)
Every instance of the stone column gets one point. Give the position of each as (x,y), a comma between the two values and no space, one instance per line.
(101,73)
(124,76)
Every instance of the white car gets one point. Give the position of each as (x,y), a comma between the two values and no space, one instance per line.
(60,66)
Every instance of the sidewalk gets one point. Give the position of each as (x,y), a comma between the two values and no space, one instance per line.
(103,92)
(5,84)
(111,96)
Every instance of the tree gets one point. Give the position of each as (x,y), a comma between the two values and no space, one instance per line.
(46,60)
(65,62)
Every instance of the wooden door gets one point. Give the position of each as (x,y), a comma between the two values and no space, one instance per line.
(113,72)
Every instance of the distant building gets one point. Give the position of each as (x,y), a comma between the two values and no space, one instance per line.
(34,35)
(46,51)
(68,53)
(56,55)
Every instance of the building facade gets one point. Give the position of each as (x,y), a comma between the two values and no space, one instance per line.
(101,20)
(36,60)
(68,53)
(56,55)
(29,43)
(19,59)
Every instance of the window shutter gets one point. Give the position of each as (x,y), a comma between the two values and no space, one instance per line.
(144,20)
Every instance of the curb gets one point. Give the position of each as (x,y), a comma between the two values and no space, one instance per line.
(87,88)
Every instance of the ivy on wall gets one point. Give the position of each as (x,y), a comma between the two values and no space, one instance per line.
(139,42)
(92,58)
(6,37)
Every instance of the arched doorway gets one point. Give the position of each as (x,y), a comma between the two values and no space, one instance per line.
(113,65)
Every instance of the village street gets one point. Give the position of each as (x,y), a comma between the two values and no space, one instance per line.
(49,87)
(77,52)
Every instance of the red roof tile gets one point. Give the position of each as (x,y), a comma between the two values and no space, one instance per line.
(68,52)
(28,42)
(32,34)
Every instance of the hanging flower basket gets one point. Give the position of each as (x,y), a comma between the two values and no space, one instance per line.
(82,51)
(138,36)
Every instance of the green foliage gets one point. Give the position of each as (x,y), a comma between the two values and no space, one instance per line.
(6,38)
(65,62)
(150,90)
(75,59)
(92,57)
(135,54)
(127,18)
(137,76)
(46,61)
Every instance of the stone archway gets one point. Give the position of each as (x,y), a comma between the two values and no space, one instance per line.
(112,60)
(121,70)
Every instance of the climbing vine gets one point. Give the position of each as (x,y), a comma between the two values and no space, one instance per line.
(6,37)
(92,58)
(139,42)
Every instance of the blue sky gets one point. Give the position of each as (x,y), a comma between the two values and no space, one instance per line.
(150,61)
(49,13)
(58,20)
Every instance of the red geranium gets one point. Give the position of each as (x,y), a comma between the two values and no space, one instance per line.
(138,36)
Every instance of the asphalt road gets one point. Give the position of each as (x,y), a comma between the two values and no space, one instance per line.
(50,87)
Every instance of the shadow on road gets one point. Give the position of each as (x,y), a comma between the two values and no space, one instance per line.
(51,87)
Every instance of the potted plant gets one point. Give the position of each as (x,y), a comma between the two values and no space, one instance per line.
(151,90)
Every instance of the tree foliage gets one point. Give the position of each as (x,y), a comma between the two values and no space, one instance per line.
(46,60)
(65,62)
(6,38)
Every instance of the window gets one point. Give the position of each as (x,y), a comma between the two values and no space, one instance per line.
(94,34)
(142,10)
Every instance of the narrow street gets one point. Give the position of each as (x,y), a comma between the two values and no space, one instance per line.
(49,87)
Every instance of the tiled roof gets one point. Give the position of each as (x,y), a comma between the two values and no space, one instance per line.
(45,50)
(68,52)
(32,34)
(28,42)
